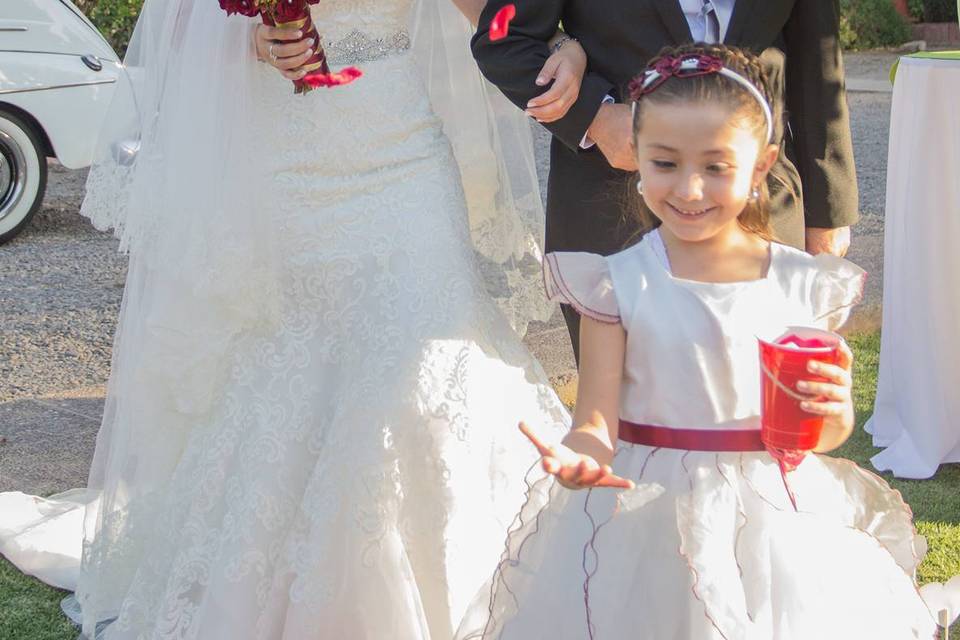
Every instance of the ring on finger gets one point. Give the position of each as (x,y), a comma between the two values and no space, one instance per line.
(273,56)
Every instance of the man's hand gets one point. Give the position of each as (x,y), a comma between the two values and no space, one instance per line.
(612,131)
(833,241)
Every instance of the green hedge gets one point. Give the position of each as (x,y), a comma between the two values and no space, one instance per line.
(916,10)
(939,10)
(869,24)
(114,18)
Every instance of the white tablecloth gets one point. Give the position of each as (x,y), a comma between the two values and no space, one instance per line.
(917,411)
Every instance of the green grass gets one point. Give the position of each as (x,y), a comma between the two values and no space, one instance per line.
(30,610)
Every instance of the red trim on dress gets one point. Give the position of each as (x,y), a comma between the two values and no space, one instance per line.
(554,276)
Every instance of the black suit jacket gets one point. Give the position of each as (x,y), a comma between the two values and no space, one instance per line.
(586,198)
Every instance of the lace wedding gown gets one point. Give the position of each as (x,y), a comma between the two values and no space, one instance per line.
(359,464)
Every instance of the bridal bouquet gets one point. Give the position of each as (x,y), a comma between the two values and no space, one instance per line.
(295,14)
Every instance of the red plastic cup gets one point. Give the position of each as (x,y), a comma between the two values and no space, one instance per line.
(783,363)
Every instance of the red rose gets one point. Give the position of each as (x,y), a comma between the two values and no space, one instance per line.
(247,8)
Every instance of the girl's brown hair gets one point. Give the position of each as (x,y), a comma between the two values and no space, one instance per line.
(714,88)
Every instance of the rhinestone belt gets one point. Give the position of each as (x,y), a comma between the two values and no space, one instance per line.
(359,47)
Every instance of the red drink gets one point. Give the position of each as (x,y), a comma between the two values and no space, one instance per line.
(783,363)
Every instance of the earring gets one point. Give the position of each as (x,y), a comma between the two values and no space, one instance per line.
(755,194)
(640,186)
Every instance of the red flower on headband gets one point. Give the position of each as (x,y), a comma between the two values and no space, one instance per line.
(500,25)
(667,67)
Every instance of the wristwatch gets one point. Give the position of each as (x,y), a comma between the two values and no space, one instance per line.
(564,39)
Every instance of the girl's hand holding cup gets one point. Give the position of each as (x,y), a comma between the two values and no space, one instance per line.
(574,470)
(832,399)
(806,399)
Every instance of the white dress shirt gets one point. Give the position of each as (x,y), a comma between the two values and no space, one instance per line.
(695,13)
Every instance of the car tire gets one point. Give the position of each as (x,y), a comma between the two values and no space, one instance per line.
(23,174)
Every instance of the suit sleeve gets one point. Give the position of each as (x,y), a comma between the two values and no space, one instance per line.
(514,62)
(817,106)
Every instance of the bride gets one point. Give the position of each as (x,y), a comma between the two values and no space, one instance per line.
(308,426)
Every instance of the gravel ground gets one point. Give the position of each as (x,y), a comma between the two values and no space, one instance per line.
(870,124)
(869,65)
(60,287)
(61,280)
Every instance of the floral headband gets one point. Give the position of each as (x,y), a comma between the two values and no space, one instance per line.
(688,66)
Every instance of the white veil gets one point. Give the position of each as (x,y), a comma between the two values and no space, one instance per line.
(203,259)
(493,143)
(202,269)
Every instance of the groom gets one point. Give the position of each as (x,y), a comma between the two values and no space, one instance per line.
(591,160)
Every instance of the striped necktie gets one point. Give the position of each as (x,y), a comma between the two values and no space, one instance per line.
(712,33)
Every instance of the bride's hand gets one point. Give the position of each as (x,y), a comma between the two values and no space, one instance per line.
(284,49)
(574,470)
(565,68)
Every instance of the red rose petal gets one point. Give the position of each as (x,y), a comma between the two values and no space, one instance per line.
(342,77)
(500,25)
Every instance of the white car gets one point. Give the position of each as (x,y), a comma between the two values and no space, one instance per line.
(57,77)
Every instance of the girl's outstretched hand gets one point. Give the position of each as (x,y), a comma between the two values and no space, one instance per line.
(574,470)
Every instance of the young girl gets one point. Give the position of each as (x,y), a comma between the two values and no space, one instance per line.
(704,541)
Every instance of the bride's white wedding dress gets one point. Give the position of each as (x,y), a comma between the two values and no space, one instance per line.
(349,471)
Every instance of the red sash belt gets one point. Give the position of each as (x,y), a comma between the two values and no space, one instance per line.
(691,439)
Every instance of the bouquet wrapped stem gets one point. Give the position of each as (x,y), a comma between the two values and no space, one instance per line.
(295,14)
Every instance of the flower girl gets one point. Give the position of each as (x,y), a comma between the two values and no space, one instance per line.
(710,538)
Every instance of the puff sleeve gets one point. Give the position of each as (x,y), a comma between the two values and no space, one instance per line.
(583,281)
